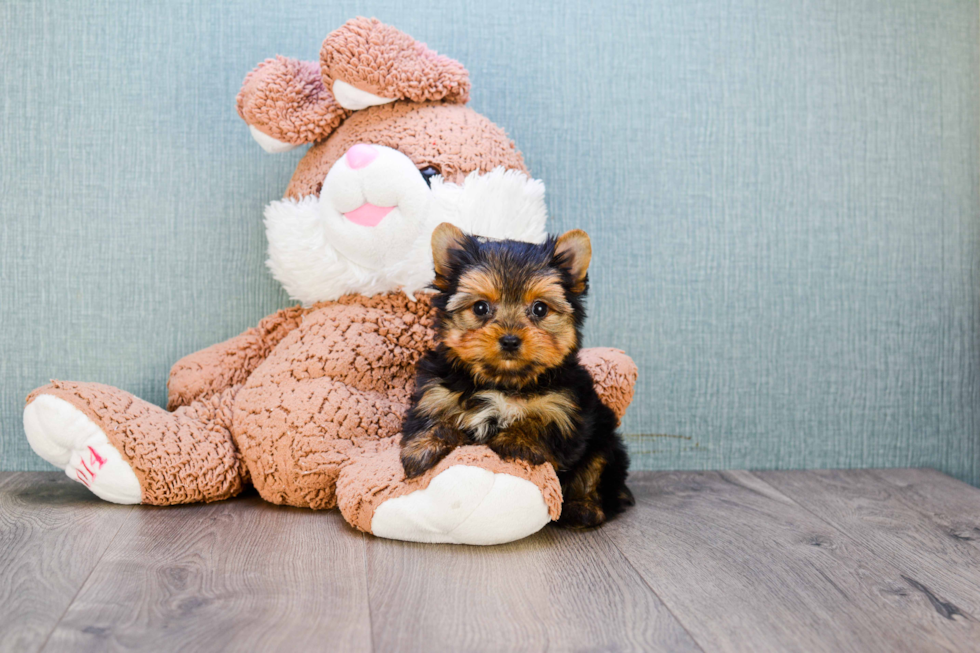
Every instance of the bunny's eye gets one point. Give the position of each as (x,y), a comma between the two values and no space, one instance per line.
(428,172)
(481,308)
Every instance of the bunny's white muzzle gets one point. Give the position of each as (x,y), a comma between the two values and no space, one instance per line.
(369,230)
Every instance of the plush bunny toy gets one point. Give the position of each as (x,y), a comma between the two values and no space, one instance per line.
(307,405)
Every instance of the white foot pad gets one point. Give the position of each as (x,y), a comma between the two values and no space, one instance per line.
(268,143)
(464,505)
(68,439)
(354,99)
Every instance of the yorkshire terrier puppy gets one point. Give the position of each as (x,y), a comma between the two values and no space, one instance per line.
(505,371)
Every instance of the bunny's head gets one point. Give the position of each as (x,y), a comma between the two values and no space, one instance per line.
(395,151)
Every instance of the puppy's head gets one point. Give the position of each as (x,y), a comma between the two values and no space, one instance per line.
(508,310)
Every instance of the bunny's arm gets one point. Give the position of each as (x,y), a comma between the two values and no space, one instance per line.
(212,370)
(614,374)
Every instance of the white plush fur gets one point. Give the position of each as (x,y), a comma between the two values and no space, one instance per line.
(464,505)
(268,143)
(317,254)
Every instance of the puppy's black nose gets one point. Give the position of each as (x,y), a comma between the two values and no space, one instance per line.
(510,342)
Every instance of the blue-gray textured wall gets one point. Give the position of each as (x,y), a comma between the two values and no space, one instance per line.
(783,197)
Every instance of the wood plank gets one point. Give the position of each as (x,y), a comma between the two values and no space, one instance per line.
(52,533)
(240,574)
(953,504)
(744,568)
(557,590)
(895,526)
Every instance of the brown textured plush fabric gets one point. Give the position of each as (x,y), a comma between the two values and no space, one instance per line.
(186,456)
(221,366)
(385,61)
(339,380)
(451,137)
(614,374)
(286,99)
(376,475)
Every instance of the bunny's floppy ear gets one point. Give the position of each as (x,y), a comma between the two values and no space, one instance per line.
(366,63)
(286,104)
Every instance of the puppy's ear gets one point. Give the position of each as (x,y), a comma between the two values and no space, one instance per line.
(573,252)
(445,238)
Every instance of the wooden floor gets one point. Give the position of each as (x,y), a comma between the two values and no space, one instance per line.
(883,560)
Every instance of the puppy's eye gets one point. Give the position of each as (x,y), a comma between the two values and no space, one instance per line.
(428,172)
(481,308)
(539,309)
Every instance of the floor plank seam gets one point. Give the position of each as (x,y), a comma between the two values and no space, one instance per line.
(928,514)
(894,565)
(826,521)
(367,589)
(655,593)
(912,505)
(85,582)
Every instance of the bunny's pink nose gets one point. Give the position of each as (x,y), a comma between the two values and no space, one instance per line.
(360,155)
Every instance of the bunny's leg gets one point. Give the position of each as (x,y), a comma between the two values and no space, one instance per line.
(126,450)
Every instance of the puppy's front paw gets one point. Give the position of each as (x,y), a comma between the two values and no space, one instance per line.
(416,462)
(581,514)
(516,451)
(422,452)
